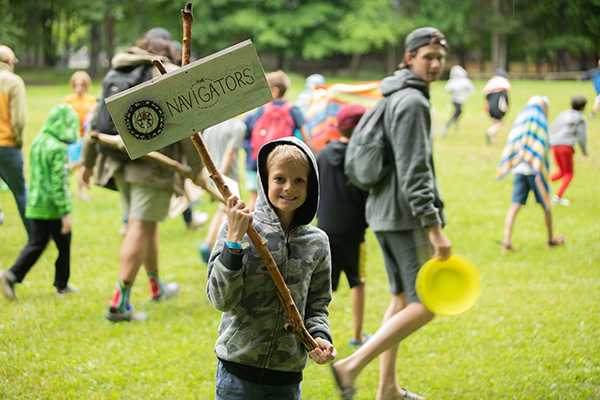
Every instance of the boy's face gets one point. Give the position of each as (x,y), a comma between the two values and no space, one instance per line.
(428,62)
(288,186)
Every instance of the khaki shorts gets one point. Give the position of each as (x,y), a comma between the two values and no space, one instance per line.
(143,202)
(404,252)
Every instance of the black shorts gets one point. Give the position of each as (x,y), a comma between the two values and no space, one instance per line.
(350,258)
(498,104)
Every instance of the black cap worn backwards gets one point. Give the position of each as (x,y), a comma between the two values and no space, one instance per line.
(422,37)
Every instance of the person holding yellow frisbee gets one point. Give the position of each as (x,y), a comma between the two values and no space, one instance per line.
(404,211)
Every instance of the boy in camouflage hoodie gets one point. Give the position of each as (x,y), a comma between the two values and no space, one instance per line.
(258,358)
(49,201)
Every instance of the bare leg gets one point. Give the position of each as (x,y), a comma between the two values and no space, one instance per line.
(390,334)
(140,246)
(252,200)
(359,294)
(548,218)
(496,126)
(509,222)
(387,361)
(213,229)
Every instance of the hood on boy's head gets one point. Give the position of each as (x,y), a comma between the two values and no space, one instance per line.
(62,123)
(458,72)
(307,212)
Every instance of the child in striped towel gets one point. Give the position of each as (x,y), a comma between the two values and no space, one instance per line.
(526,156)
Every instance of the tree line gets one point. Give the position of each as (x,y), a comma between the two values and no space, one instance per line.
(562,34)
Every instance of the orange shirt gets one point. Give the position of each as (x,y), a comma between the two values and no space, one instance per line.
(82,105)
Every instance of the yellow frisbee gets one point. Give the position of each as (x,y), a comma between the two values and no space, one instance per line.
(448,287)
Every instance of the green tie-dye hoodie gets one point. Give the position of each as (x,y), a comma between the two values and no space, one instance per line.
(49,196)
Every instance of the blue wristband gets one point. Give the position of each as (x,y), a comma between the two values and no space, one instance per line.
(234,245)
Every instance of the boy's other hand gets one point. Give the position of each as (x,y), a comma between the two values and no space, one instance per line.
(324,353)
(65,224)
(239,218)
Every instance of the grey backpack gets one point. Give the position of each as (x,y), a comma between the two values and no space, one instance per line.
(368,155)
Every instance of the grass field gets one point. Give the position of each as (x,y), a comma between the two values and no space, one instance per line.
(532,335)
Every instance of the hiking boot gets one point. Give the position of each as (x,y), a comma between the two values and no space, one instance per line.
(66,290)
(198,219)
(130,315)
(170,289)
(7,285)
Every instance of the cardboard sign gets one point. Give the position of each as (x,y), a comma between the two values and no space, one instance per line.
(190,99)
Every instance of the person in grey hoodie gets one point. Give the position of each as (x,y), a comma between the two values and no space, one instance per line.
(258,358)
(460,88)
(570,125)
(404,211)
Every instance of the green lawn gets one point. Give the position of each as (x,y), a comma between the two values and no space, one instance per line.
(532,335)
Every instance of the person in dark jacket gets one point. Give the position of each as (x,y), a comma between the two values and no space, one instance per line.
(342,216)
(404,211)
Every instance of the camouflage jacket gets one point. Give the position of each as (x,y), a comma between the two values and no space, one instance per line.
(251,330)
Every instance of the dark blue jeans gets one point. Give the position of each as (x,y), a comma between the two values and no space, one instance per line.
(11,172)
(230,387)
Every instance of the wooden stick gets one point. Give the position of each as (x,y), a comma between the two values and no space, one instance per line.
(295,325)
(160,159)
(188,22)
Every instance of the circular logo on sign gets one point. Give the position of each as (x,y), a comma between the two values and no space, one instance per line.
(145,120)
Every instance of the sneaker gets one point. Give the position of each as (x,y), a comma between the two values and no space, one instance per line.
(488,138)
(557,241)
(559,200)
(84,197)
(66,290)
(198,219)
(7,285)
(592,115)
(129,315)
(123,229)
(204,250)
(171,289)
(1,217)
(444,131)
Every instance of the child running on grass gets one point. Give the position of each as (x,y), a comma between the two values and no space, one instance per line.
(49,201)
(526,156)
(258,358)
(568,127)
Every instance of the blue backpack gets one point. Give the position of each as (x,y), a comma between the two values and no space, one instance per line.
(368,156)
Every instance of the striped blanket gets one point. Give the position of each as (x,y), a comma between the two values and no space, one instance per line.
(321,117)
(528,141)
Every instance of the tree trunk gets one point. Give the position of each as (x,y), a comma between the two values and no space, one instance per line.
(48,39)
(354,64)
(499,41)
(31,52)
(392,64)
(95,51)
(561,54)
(110,34)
